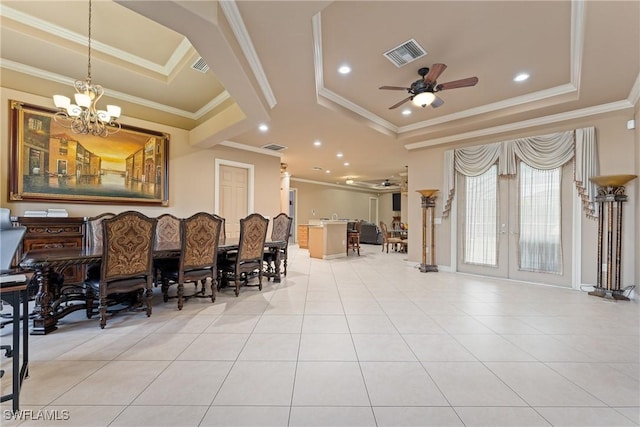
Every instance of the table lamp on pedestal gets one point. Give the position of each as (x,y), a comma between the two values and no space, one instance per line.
(610,195)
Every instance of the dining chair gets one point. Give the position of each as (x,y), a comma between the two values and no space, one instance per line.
(387,239)
(200,237)
(250,255)
(280,230)
(126,270)
(93,240)
(167,236)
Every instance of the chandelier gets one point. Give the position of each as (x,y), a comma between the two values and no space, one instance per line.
(84,117)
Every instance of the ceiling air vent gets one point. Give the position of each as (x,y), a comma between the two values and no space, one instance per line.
(274,147)
(200,65)
(407,52)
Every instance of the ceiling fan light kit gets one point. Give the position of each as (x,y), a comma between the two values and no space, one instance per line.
(423,99)
(422,92)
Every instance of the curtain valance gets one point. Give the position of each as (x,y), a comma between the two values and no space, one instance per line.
(541,152)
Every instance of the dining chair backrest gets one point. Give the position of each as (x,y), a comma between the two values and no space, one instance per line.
(253,234)
(200,236)
(223,233)
(168,231)
(281,228)
(94,237)
(383,227)
(128,241)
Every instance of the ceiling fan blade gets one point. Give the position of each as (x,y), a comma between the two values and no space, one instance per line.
(437,102)
(434,73)
(394,88)
(400,103)
(469,81)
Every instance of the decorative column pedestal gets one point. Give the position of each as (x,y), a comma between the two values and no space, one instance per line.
(428,231)
(610,194)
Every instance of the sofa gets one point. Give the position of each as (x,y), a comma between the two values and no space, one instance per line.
(370,233)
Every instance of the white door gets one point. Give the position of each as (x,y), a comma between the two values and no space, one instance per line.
(517,227)
(233,191)
(373,210)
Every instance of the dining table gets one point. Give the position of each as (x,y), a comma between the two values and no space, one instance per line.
(54,301)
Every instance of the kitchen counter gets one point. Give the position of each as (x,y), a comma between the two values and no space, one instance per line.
(327,238)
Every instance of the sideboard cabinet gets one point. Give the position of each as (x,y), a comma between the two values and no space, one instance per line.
(50,232)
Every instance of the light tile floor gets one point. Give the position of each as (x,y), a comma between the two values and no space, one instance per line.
(361,341)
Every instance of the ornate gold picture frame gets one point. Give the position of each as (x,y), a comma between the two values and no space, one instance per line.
(50,163)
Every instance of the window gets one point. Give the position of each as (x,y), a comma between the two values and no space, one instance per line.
(540,219)
(481,220)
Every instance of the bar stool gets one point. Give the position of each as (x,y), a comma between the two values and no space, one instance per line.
(353,236)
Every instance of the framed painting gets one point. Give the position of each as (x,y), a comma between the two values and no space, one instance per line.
(50,163)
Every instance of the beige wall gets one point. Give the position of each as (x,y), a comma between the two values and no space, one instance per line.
(191,172)
(618,153)
(317,201)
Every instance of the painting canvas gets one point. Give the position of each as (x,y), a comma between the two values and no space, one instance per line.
(51,163)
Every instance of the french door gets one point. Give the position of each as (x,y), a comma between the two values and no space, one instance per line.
(517,227)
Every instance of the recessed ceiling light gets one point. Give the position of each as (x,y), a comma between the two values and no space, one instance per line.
(406,112)
(327,171)
(521,77)
(263,127)
(344,69)
(339,155)
(317,143)
(346,163)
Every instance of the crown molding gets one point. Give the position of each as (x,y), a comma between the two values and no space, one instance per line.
(575,54)
(634,94)
(177,56)
(512,102)
(232,14)
(334,97)
(555,118)
(328,184)
(57,78)
(243,147)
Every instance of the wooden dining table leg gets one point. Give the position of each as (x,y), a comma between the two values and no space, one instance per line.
(276,277)
(44,322)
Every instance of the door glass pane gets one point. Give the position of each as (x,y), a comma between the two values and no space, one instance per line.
(481,221)
(540,220)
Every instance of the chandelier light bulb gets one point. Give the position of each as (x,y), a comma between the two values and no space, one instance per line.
(114,111)
(83,100)
(61,101)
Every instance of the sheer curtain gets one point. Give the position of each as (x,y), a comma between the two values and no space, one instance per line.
(481,218)
(540,242)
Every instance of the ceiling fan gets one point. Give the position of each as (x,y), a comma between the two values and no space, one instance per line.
(423,91)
